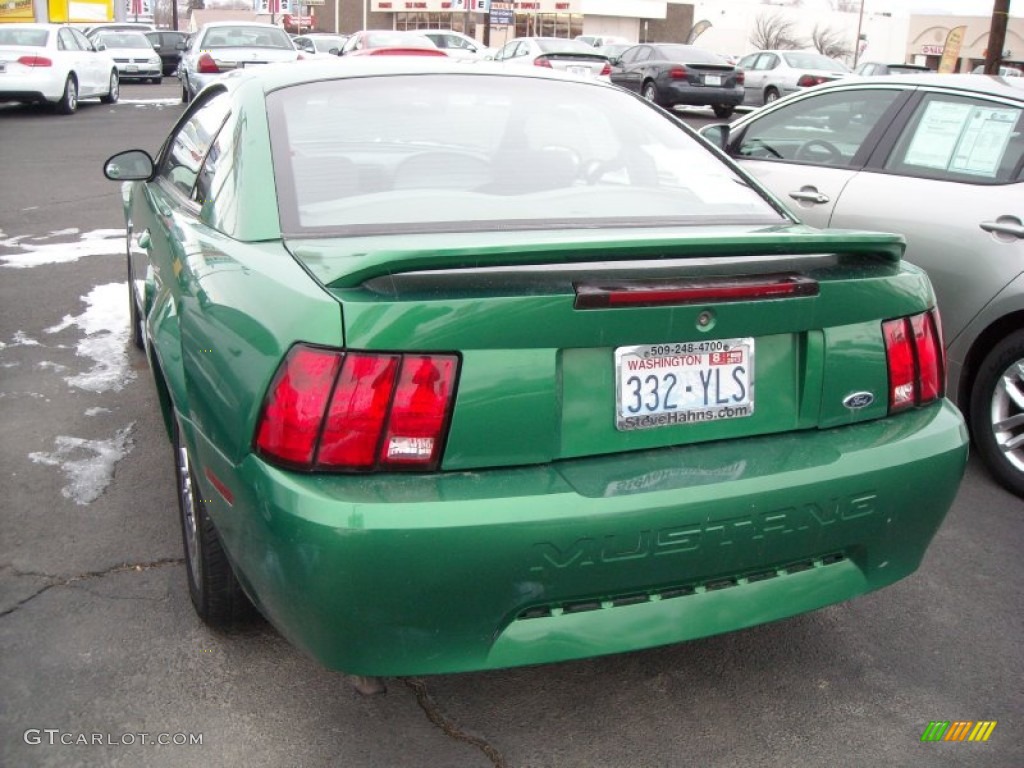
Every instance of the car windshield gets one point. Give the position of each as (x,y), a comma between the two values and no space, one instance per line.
(396,40)
(687,53)
(124,40)
(799,60)
(431,153)
(30,38)
(560,45)
(246,37)
(325,44)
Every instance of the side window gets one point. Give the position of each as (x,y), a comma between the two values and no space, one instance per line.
(67,42)
(642,54)
(767,61)
(190,144)
(216,189)
(962,139)
(747,62)
(828,129)
(81,40)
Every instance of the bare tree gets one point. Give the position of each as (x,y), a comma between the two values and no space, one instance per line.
(774,32)
(831,42)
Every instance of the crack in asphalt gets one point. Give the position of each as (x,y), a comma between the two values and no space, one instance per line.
(450,729)
(59,581)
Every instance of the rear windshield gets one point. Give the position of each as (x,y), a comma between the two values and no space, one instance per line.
(453,152)
(814,61)
(246,37)
(688,54)
(124,40)
(558,45)
(30,38)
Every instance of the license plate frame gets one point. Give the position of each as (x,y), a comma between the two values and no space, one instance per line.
(712,80)
(682,383)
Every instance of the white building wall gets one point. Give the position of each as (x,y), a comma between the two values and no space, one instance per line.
(619,17)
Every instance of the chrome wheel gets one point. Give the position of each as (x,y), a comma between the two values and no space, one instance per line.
(187,500)
(651,93)
(1008,414)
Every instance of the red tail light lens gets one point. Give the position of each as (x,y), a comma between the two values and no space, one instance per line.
(542,61)
(806,81)
(294,408)
(419,410)
(606,69)
(741,77)
(331,409)
(916,360)
(35,61)
(207,65)
(678,73)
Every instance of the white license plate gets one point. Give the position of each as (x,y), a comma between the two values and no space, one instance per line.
(712,79)
(579,71)
(132,68)
(690,382)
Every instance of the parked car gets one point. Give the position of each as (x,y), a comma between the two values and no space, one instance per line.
(940,160)
(320,43)
(385,38)
(455,44)
(570,56)
(168,44)
(224,46)
(873,68)
(771,75)
(53,64)
(133,53)
(671,75)
(1004,71)
(91,30)
(468,371)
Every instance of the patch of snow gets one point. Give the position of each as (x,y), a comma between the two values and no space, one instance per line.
(46,364)
(88,464)
(37,253)
(22,339)
(96,411)
(105,323)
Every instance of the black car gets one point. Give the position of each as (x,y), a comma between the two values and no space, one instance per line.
(165,42)
(671,74)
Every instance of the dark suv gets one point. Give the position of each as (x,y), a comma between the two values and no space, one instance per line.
(165,42)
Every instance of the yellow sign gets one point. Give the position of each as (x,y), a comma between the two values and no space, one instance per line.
(951,50)
(16,10)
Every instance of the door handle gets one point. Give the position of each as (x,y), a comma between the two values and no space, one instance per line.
(143,240)
(1004,225)
(809,195)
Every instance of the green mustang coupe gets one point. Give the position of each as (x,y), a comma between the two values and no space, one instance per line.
(466,369)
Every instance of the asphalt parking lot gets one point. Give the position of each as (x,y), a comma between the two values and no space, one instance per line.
(105,662)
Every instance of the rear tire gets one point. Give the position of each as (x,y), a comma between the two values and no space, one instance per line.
(996,413)
(723,111)
(216,595)
(770,95)
(114,91)
(650,93)
(69,100)
(185,96)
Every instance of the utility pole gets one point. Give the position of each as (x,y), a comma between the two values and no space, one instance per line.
(856,43)
(997,37)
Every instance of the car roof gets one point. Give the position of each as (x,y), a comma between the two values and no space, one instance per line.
(991,85)
(259,24)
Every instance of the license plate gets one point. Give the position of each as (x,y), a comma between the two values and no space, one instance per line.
(579,71)
(712,79)
(132,68)
(691,382)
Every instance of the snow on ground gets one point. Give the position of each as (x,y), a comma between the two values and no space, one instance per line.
(87,464)
(35,251)
(105,324)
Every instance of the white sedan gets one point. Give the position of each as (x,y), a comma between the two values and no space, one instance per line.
(55,64)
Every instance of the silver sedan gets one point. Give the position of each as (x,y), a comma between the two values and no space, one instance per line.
(940,160)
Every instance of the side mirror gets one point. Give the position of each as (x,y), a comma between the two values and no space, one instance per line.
(133,165)
(615,60)
(717,134)
(100,47)
(334,51)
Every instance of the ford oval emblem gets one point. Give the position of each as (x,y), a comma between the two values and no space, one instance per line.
(858,400)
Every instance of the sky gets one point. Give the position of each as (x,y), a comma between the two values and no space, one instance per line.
(958,7)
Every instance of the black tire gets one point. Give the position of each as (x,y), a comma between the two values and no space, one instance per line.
(114,91)
(216,595)
(69,100)
(135,316)
(723,111)
(650,92)
(185,95)
(770,95)
(996,416)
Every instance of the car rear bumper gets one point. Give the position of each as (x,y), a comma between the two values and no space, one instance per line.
(39,84)
(412,574)
(676,94)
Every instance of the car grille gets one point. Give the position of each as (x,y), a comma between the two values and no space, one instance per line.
(683,590)
(131,61)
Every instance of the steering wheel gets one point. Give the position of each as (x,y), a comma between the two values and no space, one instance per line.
(819,151)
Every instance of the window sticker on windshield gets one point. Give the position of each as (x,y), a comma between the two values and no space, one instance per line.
(963,138)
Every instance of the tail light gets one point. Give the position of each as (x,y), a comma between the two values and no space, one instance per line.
(806,81)
(207,65)
(339,410)
(606,69)
(542,61)
(35,61)
(678,73)
(916,359)
(741,77)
